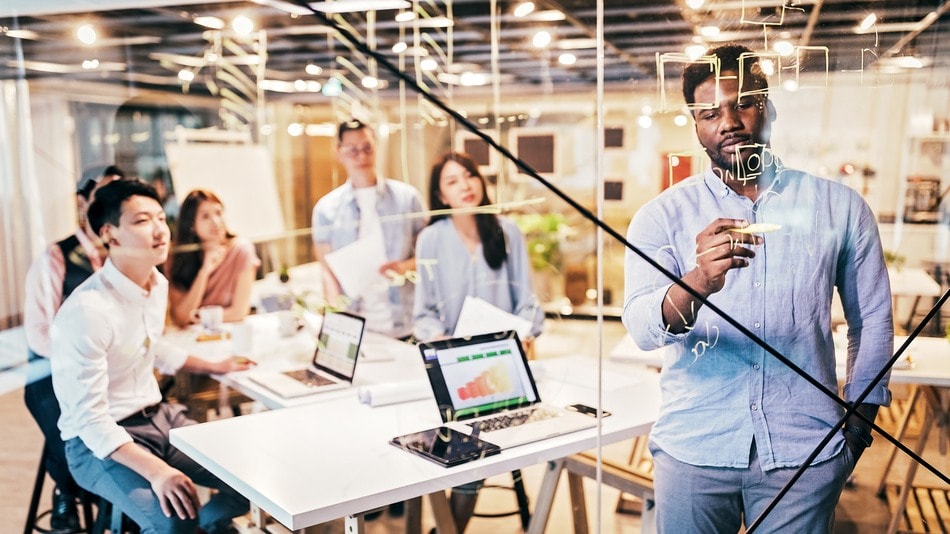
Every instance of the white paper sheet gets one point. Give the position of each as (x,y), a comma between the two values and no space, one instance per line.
(478,316)
(356,266)
(394,392)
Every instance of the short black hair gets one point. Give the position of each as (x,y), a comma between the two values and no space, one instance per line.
(93,175)
(351,125)
(753,79)
(106,208)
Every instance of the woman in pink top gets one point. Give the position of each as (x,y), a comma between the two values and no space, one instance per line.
(209,265)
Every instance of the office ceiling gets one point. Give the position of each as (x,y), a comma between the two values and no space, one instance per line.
(148,46)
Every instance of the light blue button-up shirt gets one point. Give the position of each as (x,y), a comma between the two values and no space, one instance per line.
(336,221)
(720,390)
(448,273)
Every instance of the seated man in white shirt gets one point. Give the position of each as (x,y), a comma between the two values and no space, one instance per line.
(106,343)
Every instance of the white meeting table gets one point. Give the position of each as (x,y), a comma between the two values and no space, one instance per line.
(310,464)
(382,359)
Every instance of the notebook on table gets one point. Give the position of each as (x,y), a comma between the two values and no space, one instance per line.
(483,386)
(333,364)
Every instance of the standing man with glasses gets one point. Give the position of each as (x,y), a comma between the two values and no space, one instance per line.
(768,245)
(365,205)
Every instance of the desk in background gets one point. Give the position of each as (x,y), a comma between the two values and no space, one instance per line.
(315,463)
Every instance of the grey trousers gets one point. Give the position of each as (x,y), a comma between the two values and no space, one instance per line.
(133,494)
(693,498)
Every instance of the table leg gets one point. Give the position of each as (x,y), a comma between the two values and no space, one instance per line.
(353,524)
(542,509)
(943,423)
(414,516)
(901,430)
(575,483)
(444,522)
(907,487)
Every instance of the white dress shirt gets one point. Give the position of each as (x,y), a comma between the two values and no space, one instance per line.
(106,342)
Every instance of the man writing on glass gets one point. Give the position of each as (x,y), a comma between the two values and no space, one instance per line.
(735,423)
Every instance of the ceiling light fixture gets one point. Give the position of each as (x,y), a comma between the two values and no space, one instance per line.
(405,16)
(242,25)
(541,39)
(428,64)
(784,48)
(400,47)
(370,82)
(213,23)
(680,120)
(355,6)
(867,22)
(709,31)
(695,51)
(22,34)
(90,64)
(86,34)
(645,121)
(186,75)
(909,62)
(567,59)
(695,4)
(767,66)
(313,70)
(524,8)
(436,22)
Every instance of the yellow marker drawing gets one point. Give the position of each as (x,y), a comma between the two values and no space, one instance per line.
(757,228)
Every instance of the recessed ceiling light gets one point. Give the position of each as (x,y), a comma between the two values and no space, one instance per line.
(695,51)
(86,34)
(867,22)
(695,4)
(213,23)
(644,121)
(709,31)
(436,22)
(353,6)
(242,25)
(428,64)
(784,48)
(22,34)
(400,47)
(680,120)
(541,39)
(524,8)
(186,75)
(405,16)
(567,59)
(767,66)
(313,70)
(370,82)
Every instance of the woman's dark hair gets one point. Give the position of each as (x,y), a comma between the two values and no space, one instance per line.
(106,207)
(731,59)
(489,229)
(184,265)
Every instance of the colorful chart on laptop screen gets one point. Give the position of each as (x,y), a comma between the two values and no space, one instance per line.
(483,376)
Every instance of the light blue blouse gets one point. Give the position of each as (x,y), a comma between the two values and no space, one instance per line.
(448,273)
(719,389)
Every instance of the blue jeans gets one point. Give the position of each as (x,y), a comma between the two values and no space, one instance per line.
(692,498)
(133,494)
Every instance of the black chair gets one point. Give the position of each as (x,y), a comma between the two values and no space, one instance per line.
(523,510)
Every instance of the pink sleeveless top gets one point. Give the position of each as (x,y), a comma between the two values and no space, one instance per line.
(220,288)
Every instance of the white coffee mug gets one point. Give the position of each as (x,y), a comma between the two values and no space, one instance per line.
(211,317)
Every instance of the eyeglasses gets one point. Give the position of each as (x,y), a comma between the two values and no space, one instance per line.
(352,151)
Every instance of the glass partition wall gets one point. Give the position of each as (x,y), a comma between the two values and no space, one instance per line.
(572,111)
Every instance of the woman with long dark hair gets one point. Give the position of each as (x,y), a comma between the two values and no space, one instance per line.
(208,265)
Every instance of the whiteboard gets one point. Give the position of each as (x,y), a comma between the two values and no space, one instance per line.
(242,176)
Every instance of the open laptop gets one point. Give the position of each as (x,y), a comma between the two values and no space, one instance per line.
(334,361)
(483,386)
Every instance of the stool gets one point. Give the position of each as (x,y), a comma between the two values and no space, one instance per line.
(522,497)
(85,499)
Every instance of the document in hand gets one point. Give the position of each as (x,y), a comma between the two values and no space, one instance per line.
(478,316)
(356,266)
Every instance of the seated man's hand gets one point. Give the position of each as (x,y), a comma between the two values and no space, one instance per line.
(176,493)
(234,363)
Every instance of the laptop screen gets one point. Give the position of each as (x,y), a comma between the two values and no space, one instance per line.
(477,376)
(338,344)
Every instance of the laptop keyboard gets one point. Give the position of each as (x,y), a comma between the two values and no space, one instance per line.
(514,419)
(309,378)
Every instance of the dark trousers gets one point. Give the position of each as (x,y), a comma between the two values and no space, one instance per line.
(43,406)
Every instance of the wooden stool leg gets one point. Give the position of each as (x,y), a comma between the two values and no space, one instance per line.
(575,485)
(901,430)
(898,512)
